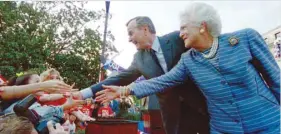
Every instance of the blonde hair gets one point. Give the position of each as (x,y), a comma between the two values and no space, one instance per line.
(44,75)
(90,99)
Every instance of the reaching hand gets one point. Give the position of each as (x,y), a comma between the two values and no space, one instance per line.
(109,93)
(55,86)
(70,103)
(58,130)
(77,95)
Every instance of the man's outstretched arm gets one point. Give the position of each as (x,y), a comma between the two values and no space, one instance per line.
(178,75)
(124,78)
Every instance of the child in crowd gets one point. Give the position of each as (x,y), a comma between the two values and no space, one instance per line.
(105,111)
(58,99)
(88,107)
(69,124)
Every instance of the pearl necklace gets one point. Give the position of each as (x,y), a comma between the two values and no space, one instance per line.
(213,50)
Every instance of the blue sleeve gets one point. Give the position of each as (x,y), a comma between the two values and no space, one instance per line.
(264,61)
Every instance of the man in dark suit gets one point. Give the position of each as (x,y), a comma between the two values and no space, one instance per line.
(183,111)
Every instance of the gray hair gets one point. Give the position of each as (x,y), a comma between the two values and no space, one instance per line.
(196,13)
(144,21)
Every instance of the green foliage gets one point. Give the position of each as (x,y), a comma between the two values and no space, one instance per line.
(39,35)
(130,116)
(80,131)
(137,101)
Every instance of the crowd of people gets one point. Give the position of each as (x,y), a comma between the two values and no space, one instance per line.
(205,81)
(53,97)
(49,103)
(118,108)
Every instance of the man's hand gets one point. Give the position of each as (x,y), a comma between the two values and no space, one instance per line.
(109,93)
(77,95)
(58,130)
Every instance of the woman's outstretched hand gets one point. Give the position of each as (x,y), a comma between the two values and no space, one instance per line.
(109,93)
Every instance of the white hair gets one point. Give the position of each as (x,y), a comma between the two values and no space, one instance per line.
(196,13)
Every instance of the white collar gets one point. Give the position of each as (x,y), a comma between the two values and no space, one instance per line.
(156,45)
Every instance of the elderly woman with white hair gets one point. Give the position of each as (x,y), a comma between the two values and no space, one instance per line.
(235,71)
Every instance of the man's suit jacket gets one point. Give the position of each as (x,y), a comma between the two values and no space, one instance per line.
(144,64)
(243,93)
(172,110)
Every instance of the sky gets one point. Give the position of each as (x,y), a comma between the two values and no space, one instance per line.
(235,15)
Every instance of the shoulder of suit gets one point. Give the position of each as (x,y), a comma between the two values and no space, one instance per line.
(139,52)
(172,35)
(239,33)
(188,52)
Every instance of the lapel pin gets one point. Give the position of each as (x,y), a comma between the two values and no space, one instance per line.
(233,41)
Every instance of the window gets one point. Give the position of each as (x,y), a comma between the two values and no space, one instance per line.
(278,35)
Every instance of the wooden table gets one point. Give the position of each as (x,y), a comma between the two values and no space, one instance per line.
(112,126)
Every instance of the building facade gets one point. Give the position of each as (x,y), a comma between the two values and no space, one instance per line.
(271,36)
